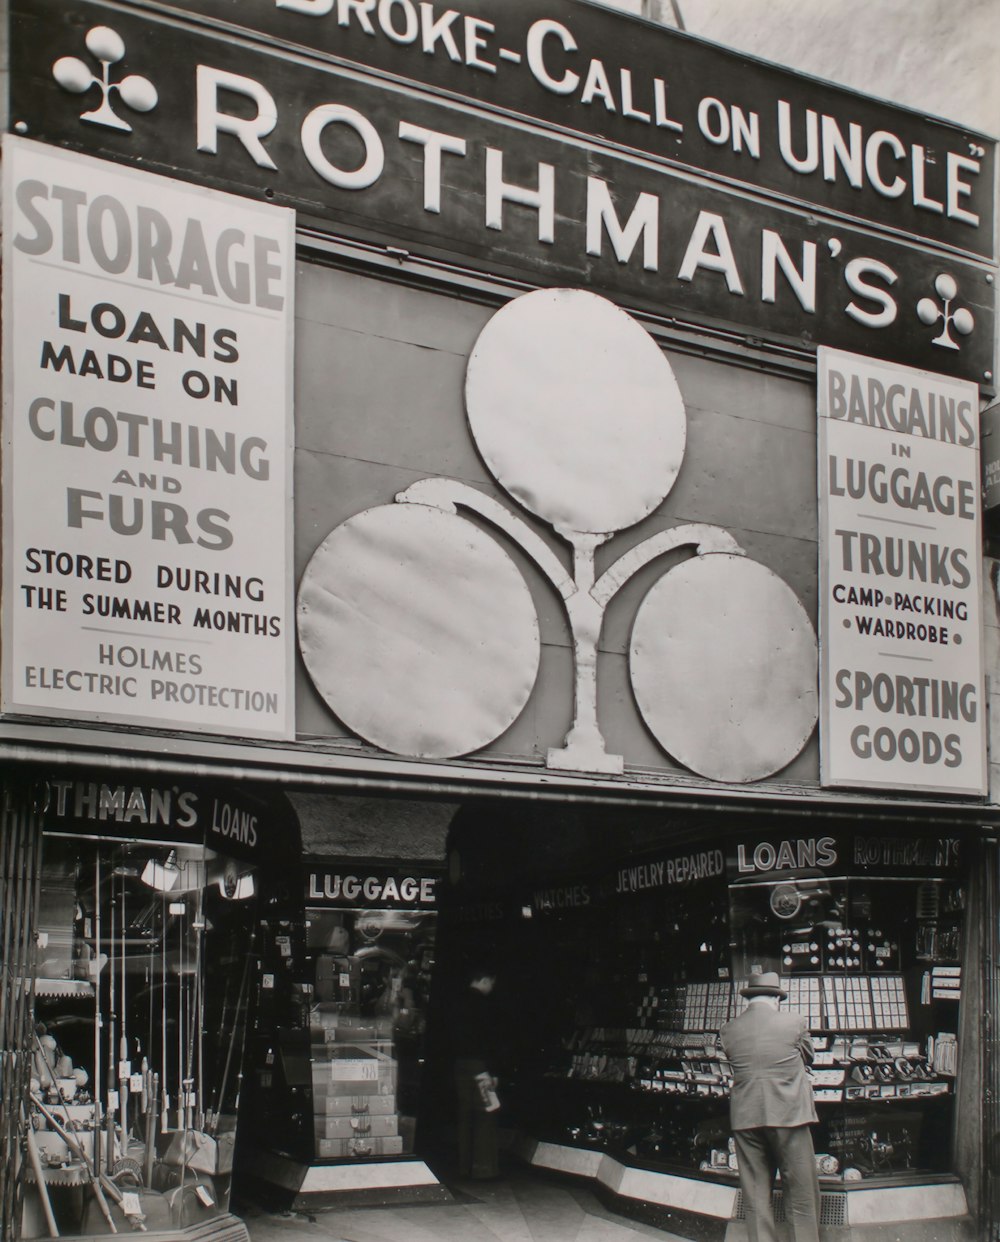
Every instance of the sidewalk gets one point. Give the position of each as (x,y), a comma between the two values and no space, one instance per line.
(522,1207)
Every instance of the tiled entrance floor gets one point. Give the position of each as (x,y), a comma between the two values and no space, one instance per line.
(522,1207)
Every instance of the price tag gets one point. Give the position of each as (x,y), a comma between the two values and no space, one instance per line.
(124,1070)
(112,1101)
(352,1070)
(135,1083)
(131,1205)
(267,981)
(345,979)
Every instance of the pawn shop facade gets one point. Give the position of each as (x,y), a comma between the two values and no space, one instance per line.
(503,482)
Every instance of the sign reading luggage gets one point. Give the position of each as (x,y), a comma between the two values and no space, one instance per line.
(900,627)
(146,460)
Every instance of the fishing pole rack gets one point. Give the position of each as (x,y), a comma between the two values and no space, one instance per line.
(144,956)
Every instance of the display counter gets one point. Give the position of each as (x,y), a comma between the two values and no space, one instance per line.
(636,966)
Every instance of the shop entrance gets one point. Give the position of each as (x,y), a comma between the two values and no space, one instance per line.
(621,943)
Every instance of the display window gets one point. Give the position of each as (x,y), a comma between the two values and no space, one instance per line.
(342,1035)
(145,965)
(634,970)
(874,962)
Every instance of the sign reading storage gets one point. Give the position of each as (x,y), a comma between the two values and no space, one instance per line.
(146,449)
(901,686)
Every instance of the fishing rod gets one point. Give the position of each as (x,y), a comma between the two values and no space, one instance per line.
(164,1098)
(124,1066)
(98,1185)
(98,1018)
(199,1008)
(36,1167)
(112,1100)
(237,1023)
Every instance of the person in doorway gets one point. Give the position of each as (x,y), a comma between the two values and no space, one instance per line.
(771,1110)
(475,1067)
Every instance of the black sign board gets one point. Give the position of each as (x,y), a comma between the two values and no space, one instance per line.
(632,84)
(224,818)
(369,886)
(363,155)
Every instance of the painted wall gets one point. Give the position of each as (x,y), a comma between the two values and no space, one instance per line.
(379,405)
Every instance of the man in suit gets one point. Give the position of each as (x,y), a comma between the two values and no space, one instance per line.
(771,1109)
(474,1025)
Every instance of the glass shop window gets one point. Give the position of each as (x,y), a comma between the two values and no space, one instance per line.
(875,965)
(633,994)
(371,984)
(143,974)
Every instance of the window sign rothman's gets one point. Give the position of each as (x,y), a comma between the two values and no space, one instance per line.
(900,620)
(146,448)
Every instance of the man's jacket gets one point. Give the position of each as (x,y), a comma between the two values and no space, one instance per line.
(769,1052)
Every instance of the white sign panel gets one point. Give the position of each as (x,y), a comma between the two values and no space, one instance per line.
(902,682)
(146,449)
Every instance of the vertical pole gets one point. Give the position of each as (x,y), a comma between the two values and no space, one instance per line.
(990,907)
(20,883)
(98,1020)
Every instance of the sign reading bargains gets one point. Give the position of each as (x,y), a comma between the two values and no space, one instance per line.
(901,681)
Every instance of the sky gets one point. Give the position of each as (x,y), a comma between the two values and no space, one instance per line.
(941,57)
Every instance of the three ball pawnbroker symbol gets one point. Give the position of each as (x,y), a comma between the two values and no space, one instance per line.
(417,625)
(930,313)
(108,48)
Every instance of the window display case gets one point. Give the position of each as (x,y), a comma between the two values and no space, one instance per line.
(340,1040)
(372,978)
(867,935)
(143,977)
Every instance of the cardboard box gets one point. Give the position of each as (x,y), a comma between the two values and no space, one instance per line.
(359,1147)
(335,1024)
(362,1127)
(324,1089)
(347,1105)
(352,1069)
(333,1047)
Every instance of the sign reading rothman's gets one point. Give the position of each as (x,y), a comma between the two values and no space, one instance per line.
(900,622)
(617,82)
(146,458)
(691,185)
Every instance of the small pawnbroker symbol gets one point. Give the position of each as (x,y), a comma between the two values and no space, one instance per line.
(73,74)
(929,312)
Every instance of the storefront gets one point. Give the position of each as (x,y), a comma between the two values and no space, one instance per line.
(144,984)
(629,955)
(545,418)
(332,1109)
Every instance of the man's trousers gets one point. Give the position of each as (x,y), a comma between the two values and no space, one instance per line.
(760,1153)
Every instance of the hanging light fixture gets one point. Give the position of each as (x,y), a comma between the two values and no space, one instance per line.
(161,876)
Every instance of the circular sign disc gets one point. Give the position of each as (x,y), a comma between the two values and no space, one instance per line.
(575,410)
(723,666)
(418,630)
